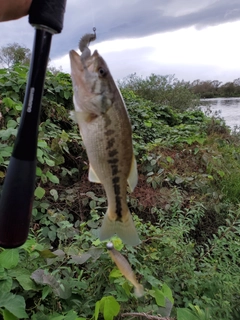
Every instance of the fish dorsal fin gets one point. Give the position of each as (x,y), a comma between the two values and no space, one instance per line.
(92,176)
(133,175)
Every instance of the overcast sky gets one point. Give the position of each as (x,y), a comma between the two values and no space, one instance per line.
(192,39)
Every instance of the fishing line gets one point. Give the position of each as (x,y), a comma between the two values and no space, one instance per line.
(93,15)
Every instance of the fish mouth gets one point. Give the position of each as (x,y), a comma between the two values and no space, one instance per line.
(82,72)
(77,63)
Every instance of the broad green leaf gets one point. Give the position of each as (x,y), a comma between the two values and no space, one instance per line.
(115,273)
(159,297)
(117,242)
(42,144)
(50,162)
(9,258)
(6,285)
(12,123)
(8,315)
(40,155)
(97,309)
(6,134)
(96,242)
(26,282)
(45,291)
(39,192)
(167,292)
(8,101)
(111,308)
(18,107)
(169,159)
(38,172)
(127,288)
(57,316)
(72,315)
(47,254)
(64,290)
(52,177)
(67,94)
(148,124)
(13,303)
(51,235)
(64,136)
(185,314)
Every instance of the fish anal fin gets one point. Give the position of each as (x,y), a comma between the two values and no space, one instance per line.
(92,176)
(133,175)
(125,230)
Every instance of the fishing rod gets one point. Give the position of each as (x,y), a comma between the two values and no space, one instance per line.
(17,195)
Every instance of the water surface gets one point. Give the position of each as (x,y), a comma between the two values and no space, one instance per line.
(229,109)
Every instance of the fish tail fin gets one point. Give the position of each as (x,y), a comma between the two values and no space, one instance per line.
(107,229)
(139,290)
(124,229)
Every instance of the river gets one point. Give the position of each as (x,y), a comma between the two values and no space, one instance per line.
(229,109)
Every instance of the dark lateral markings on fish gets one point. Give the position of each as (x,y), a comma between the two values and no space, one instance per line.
(110,143)
(117,189)
(109,132)
(114,169)
(115,180)
(113,161)
(113,153)
(118,202)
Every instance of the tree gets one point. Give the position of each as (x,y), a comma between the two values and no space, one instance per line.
(165,90)
(14,53)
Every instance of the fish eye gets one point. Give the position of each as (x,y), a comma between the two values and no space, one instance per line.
(102,72)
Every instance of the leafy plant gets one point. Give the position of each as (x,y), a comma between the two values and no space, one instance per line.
(185,208)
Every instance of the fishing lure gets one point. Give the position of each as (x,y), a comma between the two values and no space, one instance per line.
(84,43)
(125,268)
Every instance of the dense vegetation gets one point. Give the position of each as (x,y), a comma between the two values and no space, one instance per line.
(186,209)
(159,88)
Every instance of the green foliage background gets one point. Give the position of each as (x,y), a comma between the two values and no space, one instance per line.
(185,207)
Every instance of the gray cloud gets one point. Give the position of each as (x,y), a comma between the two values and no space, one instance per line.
(140,18)
(143,66)
(125,19)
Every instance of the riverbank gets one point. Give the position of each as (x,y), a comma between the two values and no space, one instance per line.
(185,208)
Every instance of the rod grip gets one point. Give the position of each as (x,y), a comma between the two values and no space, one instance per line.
(48,13)
(16,202)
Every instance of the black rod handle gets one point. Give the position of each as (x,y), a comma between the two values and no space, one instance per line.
(16,202)
(48,14)
(17,195)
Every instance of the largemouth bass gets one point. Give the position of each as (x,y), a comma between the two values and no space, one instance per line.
(107,135)
(125,268)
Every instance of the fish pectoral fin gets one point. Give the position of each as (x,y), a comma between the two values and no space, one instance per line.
(80,116)
(92,176)
(73,116)
(133,175)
